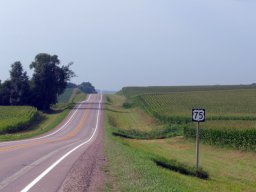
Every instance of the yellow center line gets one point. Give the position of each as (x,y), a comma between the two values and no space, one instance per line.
(68,136)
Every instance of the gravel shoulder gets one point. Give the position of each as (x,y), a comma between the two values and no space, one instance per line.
(86,174)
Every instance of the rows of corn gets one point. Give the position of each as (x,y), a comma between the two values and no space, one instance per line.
(231,114)
(16,118)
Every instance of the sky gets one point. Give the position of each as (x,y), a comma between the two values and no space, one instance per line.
(117,43)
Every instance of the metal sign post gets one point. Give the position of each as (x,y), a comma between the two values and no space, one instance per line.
(198,115)
(197,148)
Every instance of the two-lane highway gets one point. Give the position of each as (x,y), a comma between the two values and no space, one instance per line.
(42,164)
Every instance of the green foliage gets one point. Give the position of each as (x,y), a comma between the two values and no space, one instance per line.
(108,99)
(182,168)
(243,139)
(20,90)
(165,132)
(16,90)
(69,98)
(87,88)
(15,119)
(5,93)
(49,80)
(65,96)
(127,105)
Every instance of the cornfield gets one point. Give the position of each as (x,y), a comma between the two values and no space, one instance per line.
(230,114)
(15,118)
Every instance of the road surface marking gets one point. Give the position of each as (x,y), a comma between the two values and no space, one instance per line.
(27,168)
(43,174)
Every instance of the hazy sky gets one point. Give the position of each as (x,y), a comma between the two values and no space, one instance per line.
(116,43)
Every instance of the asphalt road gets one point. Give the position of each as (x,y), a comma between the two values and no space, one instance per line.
(43,163)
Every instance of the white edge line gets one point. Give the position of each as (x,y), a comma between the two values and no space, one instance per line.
(43,174)
(62,127)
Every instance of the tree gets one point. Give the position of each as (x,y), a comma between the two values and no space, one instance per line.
(71,85)
(87,87)
(5,93)
(19,93)
(49,80)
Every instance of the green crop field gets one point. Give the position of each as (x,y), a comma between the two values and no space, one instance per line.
(135,91)
(132,163)
(15,118)
(230,111)
(225,104)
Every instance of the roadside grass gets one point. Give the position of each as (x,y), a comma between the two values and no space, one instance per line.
(65,97)
(45,122)
(131,164)
(128,169)
(135,123)
(129,119)
(229,170)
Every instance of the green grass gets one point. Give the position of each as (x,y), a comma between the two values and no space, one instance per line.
(229,170)
(66,96)
(131,163)
(70,96)
(127,122)
(127,169)
(43,122)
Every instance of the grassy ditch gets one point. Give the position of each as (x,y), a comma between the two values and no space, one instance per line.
(133,123)
(164,132)
(128,169)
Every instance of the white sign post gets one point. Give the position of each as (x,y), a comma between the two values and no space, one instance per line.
(198,115)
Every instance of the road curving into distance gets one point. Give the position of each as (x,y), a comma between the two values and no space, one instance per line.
(44,163)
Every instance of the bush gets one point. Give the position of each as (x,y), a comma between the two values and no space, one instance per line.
(127,105)
(180,167)
(165,132)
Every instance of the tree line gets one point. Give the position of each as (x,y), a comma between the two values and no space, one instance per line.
(48,81)
(86,87)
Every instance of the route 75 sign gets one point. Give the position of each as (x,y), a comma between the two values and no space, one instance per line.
(198,115)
